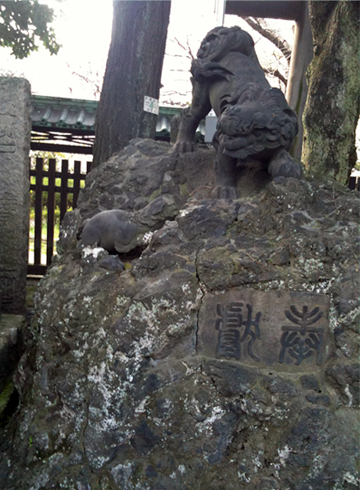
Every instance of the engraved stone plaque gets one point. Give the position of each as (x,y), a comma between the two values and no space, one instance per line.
(282,329)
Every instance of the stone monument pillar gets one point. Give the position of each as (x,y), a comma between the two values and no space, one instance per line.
(15,130)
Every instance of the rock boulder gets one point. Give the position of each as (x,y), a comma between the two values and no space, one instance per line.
(222,357)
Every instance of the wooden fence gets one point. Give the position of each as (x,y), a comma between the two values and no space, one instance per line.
(354,183)
(44,188)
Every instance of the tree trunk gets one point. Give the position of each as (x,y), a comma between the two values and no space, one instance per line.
(133,70)
(332,108)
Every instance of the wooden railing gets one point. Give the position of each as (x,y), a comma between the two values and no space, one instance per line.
(53,195)
(354,183)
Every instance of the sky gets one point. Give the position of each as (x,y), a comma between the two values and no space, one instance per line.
(83,28)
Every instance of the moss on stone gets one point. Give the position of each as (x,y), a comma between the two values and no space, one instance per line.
(184,191)
(332,108)
(5,395)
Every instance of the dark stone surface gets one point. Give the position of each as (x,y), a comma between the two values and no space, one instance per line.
(114,391)
(11,345)
(15,130)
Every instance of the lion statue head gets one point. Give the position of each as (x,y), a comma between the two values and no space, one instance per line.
(221,40)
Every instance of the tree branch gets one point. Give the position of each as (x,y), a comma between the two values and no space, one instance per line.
(260,26)
(186,49)
(276,74)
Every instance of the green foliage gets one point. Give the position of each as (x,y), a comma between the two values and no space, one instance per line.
(43,228)
(57,194)
(23,24)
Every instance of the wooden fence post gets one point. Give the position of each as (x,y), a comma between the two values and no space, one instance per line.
(51,211)
(76,187)
(64,188)
(38,210)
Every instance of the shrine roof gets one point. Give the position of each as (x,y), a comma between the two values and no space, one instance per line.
(79,114)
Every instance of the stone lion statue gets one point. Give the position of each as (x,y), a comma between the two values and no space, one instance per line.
(255,128)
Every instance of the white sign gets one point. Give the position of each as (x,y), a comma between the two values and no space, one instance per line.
(151,105)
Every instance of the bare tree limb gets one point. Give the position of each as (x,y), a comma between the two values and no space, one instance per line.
(93,79)
(276,74)
(175,55)
(260,26)
(175,92)
(187,49)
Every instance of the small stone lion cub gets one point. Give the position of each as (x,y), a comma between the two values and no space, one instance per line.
(255,128)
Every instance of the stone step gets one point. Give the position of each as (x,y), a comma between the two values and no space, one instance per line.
(11,348)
